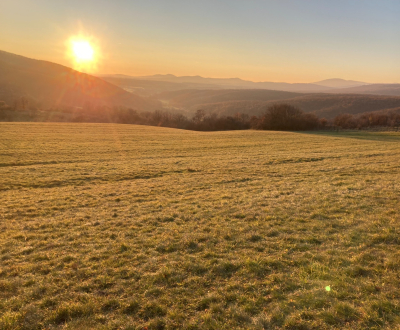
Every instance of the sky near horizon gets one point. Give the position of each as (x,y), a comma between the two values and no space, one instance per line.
(258,40)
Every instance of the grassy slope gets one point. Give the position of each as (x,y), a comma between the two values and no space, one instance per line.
(122,227)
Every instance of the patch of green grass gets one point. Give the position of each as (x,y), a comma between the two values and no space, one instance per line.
(128,227)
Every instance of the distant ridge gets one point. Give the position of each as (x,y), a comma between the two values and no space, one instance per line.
(340,83)
(219,83)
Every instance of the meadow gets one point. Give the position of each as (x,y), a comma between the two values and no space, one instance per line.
(107,226)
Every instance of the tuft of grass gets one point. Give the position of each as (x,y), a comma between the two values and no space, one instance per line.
(152,310)
(132,308)
(70,311)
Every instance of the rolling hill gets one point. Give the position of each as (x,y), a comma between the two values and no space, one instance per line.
(193,98)
(254,102)
(373,89)
(50,85)
(146,88)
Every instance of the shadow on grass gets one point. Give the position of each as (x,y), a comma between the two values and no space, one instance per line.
(361,135)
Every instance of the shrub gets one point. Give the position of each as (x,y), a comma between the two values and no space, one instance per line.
(285,117)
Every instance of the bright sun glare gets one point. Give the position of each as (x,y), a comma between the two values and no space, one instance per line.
(82,50)
(84,53)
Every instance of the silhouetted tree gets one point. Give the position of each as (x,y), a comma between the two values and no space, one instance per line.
(286,117)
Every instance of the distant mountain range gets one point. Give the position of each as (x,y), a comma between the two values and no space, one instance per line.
(52,85)
(237,82)
(172,82)
(150,85)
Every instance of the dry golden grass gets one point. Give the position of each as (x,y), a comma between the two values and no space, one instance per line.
(127,227)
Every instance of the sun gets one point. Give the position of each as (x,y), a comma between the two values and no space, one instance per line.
(82,50)
(84,53)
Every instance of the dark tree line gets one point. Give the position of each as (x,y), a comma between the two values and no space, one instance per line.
(368,120)
(276,117)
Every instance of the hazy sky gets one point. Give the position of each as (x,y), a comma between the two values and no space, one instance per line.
(260,40)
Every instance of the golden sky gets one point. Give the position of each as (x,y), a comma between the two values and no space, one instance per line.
(286,40)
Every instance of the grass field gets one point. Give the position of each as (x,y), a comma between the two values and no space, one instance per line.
(133,227)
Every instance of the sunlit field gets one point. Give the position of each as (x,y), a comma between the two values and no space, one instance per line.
(108,226)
